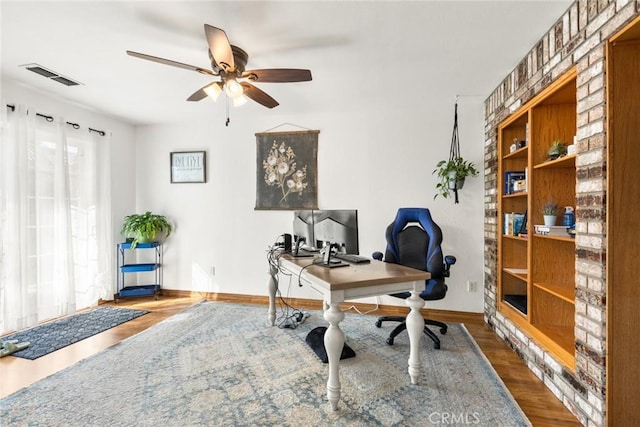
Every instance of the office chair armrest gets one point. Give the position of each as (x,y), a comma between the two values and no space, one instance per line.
(449,260)
(377,255)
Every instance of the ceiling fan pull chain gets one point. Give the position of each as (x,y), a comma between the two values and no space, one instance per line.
(228,120)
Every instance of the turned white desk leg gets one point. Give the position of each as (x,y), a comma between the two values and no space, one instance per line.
(333,343)
(272,299)
(415,325)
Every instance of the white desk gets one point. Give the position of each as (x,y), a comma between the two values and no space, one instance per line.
(356,281)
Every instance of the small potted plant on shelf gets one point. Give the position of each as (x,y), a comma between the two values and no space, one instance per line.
(452,174)
(145,228)
(557,150)
(550,213)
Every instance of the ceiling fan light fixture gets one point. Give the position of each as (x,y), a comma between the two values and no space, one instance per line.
(239,101)
(214,90)
(233,88)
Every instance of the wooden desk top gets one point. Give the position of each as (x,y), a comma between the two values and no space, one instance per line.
(359,275)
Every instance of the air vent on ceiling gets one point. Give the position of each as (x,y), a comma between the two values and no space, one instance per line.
(44,72)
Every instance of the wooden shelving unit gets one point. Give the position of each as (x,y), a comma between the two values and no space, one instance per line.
(536,273)
(622,266)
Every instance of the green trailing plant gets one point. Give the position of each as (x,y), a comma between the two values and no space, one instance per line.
(550,208)
(145,228)
(451,175)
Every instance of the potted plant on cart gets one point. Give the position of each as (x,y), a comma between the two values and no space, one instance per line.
(145,228)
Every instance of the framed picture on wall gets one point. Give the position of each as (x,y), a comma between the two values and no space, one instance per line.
(188,166)
(287,170)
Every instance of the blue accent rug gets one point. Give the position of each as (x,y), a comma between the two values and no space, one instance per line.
(52,336)
(219,364)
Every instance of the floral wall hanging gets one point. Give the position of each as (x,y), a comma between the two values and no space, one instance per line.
(287,170)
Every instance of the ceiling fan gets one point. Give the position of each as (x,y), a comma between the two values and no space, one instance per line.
(228,62)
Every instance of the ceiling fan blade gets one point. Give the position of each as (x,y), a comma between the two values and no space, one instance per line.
(170,62)
(219,47)
(199,94)
(258,95)
(278,75)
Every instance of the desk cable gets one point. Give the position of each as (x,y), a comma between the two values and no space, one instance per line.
(290,316)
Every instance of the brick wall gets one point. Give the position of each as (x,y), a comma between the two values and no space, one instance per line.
(577,39)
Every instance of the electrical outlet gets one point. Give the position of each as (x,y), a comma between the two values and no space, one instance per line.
(213,270)
(472,286)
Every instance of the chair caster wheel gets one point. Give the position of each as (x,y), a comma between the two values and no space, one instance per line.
(436,345)
(443,331)
(390,341)
(378,324)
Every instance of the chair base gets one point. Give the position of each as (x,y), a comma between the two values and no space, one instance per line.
(403,325)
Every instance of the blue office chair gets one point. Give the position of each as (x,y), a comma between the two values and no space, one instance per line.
(413,240)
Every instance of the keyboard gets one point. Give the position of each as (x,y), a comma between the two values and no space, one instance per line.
(354,259)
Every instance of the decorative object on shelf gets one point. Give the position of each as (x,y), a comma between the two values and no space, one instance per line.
(558,149)
(145,228)
(287,170)
(550,213)
(568,218)
(453,172)
(188,166)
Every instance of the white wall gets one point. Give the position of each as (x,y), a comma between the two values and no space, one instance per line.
(123,183)
(371,160)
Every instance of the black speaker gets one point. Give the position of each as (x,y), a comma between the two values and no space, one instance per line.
(287,242)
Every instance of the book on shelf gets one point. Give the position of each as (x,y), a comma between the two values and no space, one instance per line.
(515,224)
(551,230)
(515,182)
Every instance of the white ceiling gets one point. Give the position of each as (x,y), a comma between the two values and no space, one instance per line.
(396,54)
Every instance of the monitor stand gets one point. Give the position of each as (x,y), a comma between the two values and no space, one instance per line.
(327,262)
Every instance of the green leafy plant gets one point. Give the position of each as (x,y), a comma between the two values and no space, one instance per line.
(144,228)
(557,149)
(451,175)
(550,208)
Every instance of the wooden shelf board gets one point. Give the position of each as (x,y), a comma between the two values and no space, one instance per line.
(518,273)
(520,153)
(514,195)
(511,236)
(559,238)
(518,317)
(566,293)
(563,162)
(558,340)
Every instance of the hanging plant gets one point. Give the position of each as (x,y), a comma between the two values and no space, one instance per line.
(453,172)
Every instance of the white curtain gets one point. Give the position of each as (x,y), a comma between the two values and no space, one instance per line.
(55,219)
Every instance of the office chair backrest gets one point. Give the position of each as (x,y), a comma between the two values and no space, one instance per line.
(415,246)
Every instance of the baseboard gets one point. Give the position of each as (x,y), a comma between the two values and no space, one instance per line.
(314,304)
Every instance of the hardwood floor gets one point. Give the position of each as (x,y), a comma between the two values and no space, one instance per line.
(538,403)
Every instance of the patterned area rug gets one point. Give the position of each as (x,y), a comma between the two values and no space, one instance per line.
(219,364)
(52,336)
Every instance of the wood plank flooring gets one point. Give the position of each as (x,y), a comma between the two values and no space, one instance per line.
(538,403)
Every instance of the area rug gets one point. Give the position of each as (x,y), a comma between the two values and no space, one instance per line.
(54,335)
(219,364)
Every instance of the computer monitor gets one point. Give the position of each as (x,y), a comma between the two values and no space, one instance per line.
(303,227)
(338,226)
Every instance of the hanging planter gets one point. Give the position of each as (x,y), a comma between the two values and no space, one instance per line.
(452,173)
